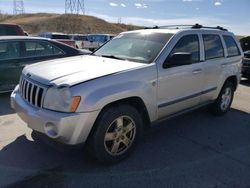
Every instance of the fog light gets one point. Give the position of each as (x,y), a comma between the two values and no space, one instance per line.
(51,130)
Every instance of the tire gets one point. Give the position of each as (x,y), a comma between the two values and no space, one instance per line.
(116,132)
(224,100)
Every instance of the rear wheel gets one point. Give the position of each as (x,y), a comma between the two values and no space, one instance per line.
(224,100)
(116,132)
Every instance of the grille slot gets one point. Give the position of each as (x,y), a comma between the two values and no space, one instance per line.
(32,92)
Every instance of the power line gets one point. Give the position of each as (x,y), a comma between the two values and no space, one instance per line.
(18,7)
(74,7)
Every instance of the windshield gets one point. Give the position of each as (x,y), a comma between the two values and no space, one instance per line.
(138,47)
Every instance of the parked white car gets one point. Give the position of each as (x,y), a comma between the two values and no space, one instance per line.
(97,40)
(136,80)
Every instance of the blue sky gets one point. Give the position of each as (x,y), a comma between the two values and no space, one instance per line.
(232,14)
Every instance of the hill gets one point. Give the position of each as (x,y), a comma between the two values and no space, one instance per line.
(66,23)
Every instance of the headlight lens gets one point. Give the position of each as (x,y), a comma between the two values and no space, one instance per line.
(60,99)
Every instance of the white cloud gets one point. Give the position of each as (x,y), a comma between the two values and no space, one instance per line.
(139,5)
(113,4)
(197,8)
(123,5)
(217,3)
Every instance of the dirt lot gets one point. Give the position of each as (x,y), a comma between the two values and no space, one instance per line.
(194,150)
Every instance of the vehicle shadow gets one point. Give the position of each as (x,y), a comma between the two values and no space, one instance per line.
(187,149)
(5,104)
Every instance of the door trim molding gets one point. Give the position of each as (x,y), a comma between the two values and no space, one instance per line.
(186,98)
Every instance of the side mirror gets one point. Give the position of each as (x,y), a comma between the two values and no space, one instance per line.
(178,59)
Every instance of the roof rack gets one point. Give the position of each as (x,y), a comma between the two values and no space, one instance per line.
(198,26)
(195,26)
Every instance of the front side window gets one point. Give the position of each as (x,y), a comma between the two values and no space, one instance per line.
(138,47)
(213,46)
(36,49)
(188,44)
(231,45)
(9,50)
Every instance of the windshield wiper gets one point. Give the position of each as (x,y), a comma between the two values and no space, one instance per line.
(113,57)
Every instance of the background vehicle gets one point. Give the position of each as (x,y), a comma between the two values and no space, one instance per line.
(136,80)
(59,37)
(17,52)
(97,40)
(246,65)
(81,40)
(11,29)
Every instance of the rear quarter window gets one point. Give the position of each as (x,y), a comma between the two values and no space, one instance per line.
(232,48)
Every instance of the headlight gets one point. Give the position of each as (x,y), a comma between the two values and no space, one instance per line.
(60,99)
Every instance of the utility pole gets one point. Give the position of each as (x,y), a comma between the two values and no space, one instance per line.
(74,7)
(18,7)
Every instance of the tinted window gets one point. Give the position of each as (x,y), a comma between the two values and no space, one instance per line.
(189,44)
(9,50)
(213,46)
(7,30)
(33,49)
(231,45)
(55,36)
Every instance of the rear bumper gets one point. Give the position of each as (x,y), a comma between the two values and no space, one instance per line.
(68,128)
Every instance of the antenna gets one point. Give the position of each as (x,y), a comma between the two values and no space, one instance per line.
(18,7)
(74,7)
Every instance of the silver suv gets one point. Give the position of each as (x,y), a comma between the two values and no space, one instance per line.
(137,79)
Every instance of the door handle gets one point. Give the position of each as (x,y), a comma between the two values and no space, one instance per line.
(197,71)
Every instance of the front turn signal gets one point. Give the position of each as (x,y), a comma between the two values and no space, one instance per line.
(74,103)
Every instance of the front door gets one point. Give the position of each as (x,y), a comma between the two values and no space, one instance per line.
(179,87)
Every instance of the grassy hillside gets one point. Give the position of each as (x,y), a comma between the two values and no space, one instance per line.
(36,23)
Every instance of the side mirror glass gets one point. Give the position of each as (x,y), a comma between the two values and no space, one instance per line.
(178,59)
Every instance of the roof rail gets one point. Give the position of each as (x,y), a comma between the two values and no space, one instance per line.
(198,26)
(195,26)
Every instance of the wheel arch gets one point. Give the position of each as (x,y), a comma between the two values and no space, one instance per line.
(135,102)
(233,80)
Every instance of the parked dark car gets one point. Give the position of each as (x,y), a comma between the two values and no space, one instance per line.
(18,51)
(246,65)
(11,29)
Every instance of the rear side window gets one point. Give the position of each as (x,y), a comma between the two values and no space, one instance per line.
(189,44)
(232,48)
(213,47)
(9,50)
(8,30)
(36,49)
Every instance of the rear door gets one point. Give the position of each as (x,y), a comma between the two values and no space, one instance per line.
(213,64)
(179,87)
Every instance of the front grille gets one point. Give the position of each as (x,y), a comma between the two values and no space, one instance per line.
(33,93)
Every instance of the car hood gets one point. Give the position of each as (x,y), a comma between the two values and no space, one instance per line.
(74,70)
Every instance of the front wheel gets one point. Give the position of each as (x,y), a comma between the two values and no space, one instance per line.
(224,100)
(115,133)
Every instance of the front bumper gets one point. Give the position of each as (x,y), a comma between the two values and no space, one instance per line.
(68,128)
